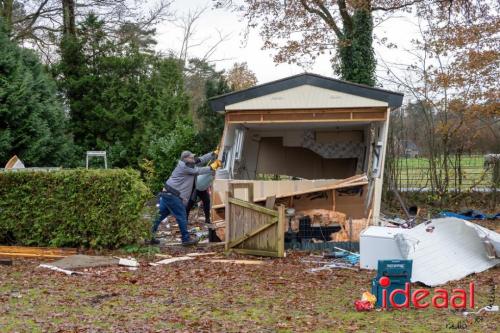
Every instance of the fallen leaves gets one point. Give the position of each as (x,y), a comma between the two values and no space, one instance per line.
(199,296)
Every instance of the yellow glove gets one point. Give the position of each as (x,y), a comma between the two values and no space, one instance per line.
(216,164)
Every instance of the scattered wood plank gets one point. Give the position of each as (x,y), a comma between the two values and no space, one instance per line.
(161,255)
(197,254)
(6,262)
(170,261)
(244,262)
(213,244)
(37,252)
(57,269)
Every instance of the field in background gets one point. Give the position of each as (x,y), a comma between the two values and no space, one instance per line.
(470,174)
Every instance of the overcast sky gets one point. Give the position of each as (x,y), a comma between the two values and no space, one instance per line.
(399,30)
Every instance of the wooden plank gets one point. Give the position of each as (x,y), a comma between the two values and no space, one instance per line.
(379,115)
(244,262)
(270,202)
(6,262)
(228,218)
(164,256)
(261,253)
(47,252)
(33,255)
(38,250)
(253,206)
(280,242)
(314,120)
(254,232)
(306,115)
(200,254)
(249,186)
(333,200)
(312,110)
(312,190)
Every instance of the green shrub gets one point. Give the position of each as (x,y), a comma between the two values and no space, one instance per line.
(164,153)
(89,208)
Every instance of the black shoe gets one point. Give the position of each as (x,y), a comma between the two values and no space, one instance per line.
(191,241)
(154,241)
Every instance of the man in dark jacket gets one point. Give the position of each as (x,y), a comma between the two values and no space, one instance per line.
(179,189)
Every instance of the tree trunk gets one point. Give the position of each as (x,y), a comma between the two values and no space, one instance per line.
(355,51)
(69,25)
(6,13)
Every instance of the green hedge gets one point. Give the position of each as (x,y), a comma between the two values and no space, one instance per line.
(89,208)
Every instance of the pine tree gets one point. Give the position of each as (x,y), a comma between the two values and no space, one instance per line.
(32,118)
(121,95)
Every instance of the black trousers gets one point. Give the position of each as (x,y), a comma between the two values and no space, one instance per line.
(205,198)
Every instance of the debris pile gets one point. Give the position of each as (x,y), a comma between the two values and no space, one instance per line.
(442,250)
(342,259)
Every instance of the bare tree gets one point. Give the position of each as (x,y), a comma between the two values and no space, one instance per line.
(187,24)
(453,80)
(43,23)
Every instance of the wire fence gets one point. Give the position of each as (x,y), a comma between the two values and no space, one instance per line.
(465,173)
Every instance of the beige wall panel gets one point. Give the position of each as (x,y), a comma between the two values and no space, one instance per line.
(305,96)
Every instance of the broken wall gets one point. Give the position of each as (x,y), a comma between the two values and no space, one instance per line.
(275,158)
(320,153)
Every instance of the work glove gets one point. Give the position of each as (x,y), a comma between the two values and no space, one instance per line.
(215,165)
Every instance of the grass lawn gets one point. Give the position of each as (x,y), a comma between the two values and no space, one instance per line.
(414,173)
(198,296)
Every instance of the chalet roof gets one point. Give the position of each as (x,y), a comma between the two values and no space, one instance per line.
(393,99)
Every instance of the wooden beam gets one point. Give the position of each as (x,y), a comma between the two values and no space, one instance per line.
(253,206)
(244,262)
(270,202)
(307,115)
(281,236)
(37,252)
(252,233)
(261,253)
(312,110)
(227,218)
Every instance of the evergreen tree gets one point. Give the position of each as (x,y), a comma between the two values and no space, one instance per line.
(203,82)
(121,95)
(32,118)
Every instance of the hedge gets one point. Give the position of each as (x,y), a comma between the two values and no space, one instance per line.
(87,208)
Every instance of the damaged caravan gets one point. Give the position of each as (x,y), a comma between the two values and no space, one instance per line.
(303,146)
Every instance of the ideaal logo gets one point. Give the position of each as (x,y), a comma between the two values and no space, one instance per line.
(419,297)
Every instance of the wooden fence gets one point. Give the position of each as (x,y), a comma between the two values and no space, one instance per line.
(251,228)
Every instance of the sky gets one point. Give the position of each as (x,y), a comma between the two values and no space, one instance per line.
(399,30)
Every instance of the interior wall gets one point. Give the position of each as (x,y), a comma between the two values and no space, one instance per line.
(352,202)
(323,148)
(274,158)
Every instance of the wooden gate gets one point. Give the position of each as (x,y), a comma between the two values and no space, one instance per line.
(251,228)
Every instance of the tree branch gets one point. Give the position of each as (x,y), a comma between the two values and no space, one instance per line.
(396,7)
(325,15)
(346,18)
